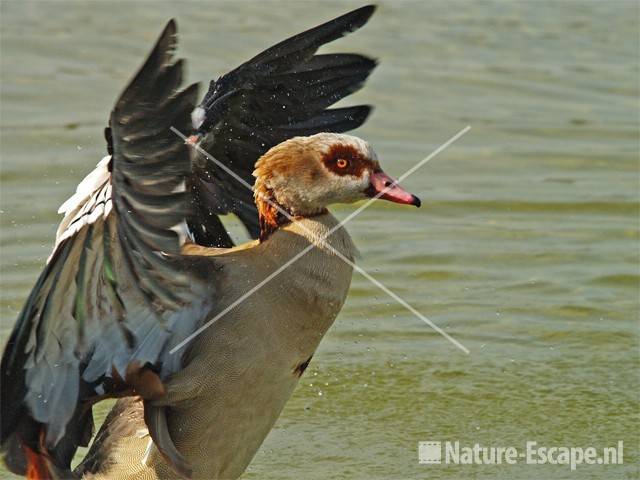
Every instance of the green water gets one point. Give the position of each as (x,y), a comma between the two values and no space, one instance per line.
(525,249)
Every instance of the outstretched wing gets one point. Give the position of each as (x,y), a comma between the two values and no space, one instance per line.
(283,92)
(105,304)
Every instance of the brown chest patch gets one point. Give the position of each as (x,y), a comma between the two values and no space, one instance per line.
(300,368)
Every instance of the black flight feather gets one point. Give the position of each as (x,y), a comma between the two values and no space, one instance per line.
(280,93)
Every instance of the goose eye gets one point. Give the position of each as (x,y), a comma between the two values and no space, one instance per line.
(342,163)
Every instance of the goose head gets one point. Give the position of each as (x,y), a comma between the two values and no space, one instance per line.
(304,175)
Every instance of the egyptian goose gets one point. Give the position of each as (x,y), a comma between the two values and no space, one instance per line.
(142,261)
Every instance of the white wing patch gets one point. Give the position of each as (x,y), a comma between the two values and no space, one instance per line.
(91,202)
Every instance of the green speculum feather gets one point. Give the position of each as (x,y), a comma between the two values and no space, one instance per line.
(80,308)
(109,273)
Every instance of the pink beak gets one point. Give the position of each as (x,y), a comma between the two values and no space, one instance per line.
(380,182)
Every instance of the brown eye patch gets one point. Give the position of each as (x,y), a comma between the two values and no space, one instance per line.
(346,160)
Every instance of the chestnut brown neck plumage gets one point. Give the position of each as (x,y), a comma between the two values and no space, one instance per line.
(270,213)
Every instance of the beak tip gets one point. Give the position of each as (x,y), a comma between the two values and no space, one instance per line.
(415,201)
